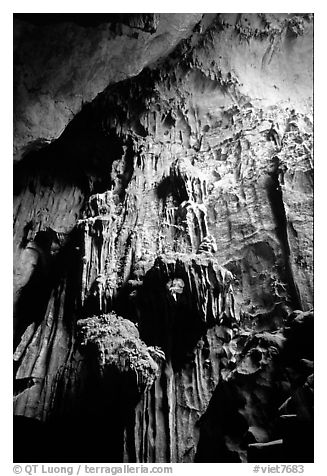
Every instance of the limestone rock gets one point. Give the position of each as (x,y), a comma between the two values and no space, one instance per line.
(166,177)
(61,65)
(117,343)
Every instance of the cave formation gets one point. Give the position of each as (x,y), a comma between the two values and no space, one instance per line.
(163,238)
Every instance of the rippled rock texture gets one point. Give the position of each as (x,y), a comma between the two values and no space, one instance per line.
(163,270)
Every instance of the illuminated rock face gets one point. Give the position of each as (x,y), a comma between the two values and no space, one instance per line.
(163,243)
(66,62)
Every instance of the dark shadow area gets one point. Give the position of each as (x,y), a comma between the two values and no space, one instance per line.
(172,185)
(300,338)
(144,21)
(221,421)
(173,324)
(49,273)
(285,405)
(91,428)
(22,384)
(275,197)
(81,156)
(125,176)
(92,140)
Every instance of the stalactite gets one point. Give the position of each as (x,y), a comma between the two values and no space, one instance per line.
(163,244)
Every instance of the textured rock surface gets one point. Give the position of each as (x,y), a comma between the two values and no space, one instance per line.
(179,198)
(262,410)
(115,342)
(60,65)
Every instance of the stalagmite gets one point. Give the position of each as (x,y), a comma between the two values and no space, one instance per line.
(163,239)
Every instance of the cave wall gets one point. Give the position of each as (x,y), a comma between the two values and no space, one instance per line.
(69,59)
(166,175)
